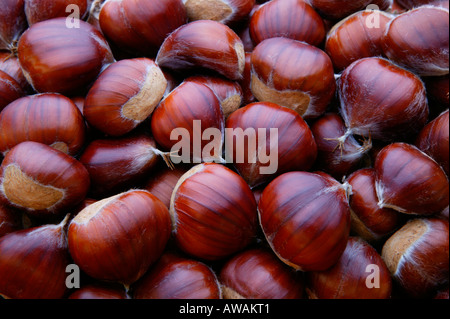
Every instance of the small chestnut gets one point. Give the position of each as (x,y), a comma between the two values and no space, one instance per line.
(10,90)
(13,23)
(54,8)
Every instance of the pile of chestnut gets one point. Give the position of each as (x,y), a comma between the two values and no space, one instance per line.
(95,95)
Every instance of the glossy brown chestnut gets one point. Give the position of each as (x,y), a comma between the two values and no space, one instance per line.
(10,90)
(335,158)
(417,256)
(204,44)
(369,221)
(40,10)
(259,274)
(228,92)
(213,212)
(224,11)
(305,218)
(124,95)
(182,118)
(264,140)
(33,263)
(176,277)
(162,182)
(356,37)
(294,19)
(42,180)
(380,100)
(99,290)
(433,140)
(360,273)
(47,118)
(418,40)
(339,9)
(277,76)
(12,23)
(10,220)
(409,4)
(64,60)
(119,237)
(11,66)
(245,83)
(409,181)
(116,164)
(140,26)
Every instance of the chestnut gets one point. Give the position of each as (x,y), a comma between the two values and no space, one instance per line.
(54,8)
(13,23)
(116,164)
(63,60)
(417,256)
(257,273)
(433,140)
(33,262)
(228,92)
(228,12)
(47,118)
(140,26)
(11,66)
(409,181)
(177,277)
(334,157)
(245,83)
(204,44)
(118,238)
(124,95)
(424,49)
(180,121)
(305,218)
(42,180)
(410,4)
(99,290)
(360,273)
(369,221)
(257,153)
(339,9)
(10,90)
(277,76)
(213,212)
(294,19)
(371,110)
(352,39)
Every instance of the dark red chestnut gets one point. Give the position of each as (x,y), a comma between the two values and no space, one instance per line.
(305,218)
(360,273)
(176,277)
(115,164)
(42,180)
(335,157)
(47,118)
(213,212)
(118,238)
(259,274)
(40,10)
(277,76)
(180,123)
(409,4)
(99,290)
(140,26)
(12,23)
(55,58)
(11,66)
(417,256)
(378,99)
(264,140)
(354,38)
(294,19)
(227,12)
(433,140)
(124,95)
(418,40)
(204,44)
(339,9)
(409,181)
(33,262)
(10,90)
(369,221)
